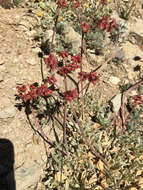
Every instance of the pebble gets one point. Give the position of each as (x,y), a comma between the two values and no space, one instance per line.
(116,103)
(133,93)
(1,78)
(120,55)
(2,68)
(7,112)
(44,157)
(31,61)
(114,80)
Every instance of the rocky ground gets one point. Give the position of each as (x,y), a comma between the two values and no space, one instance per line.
(20,64)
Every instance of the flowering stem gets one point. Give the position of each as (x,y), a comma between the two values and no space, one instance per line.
(93,150)
(65,116)
(54,30)
(81,70)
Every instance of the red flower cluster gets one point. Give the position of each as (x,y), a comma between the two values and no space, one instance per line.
(51,80)
(43,90)
(104,24)
(51,62)
(85,27)
(138,99)
(33,93)
(76,59)
(68,69)
(83,76)
(64,54)
(70,95)
(21,89)
(103,1)
(92,77)
(61,3)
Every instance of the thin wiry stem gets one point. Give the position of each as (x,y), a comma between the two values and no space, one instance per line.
(93,150)
(124,98)
(54,30)
(81,70)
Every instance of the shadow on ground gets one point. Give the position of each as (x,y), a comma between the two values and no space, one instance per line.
(7,179)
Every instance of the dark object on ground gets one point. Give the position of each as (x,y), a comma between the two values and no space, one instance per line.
(137,68)
(7,181)
(137,58)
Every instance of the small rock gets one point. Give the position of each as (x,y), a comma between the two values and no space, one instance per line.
(73,36)
(44,157)
(120,55)
(114,80)
(137,26)
(2,68)
(133,93)
(31,61)
(48,36)
(1,78)
(116,103)
(31,33)
(8,112)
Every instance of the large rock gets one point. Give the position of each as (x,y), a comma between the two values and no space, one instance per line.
(137,27)
(27,175)
(7,112)
(73,36)
(116,103)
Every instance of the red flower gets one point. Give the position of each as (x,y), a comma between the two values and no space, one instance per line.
(93,77)
(138,99)
(103,23)
(51,80)
(32,87)
(68,69)
(51,62)
(112,25)
(43,90)
(32,94)
(21,89)
(83,76)
(64,54)
(61,3)
(64,71)
(85,27)
(24,97)
(47,92)
(76,58)
(70,95)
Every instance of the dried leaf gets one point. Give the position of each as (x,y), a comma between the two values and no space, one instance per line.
(141,182)
(58,177)
(139,172)
(100,165)
(83,175)
(36,139)
(141,157)
(93,179)
(104,183)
